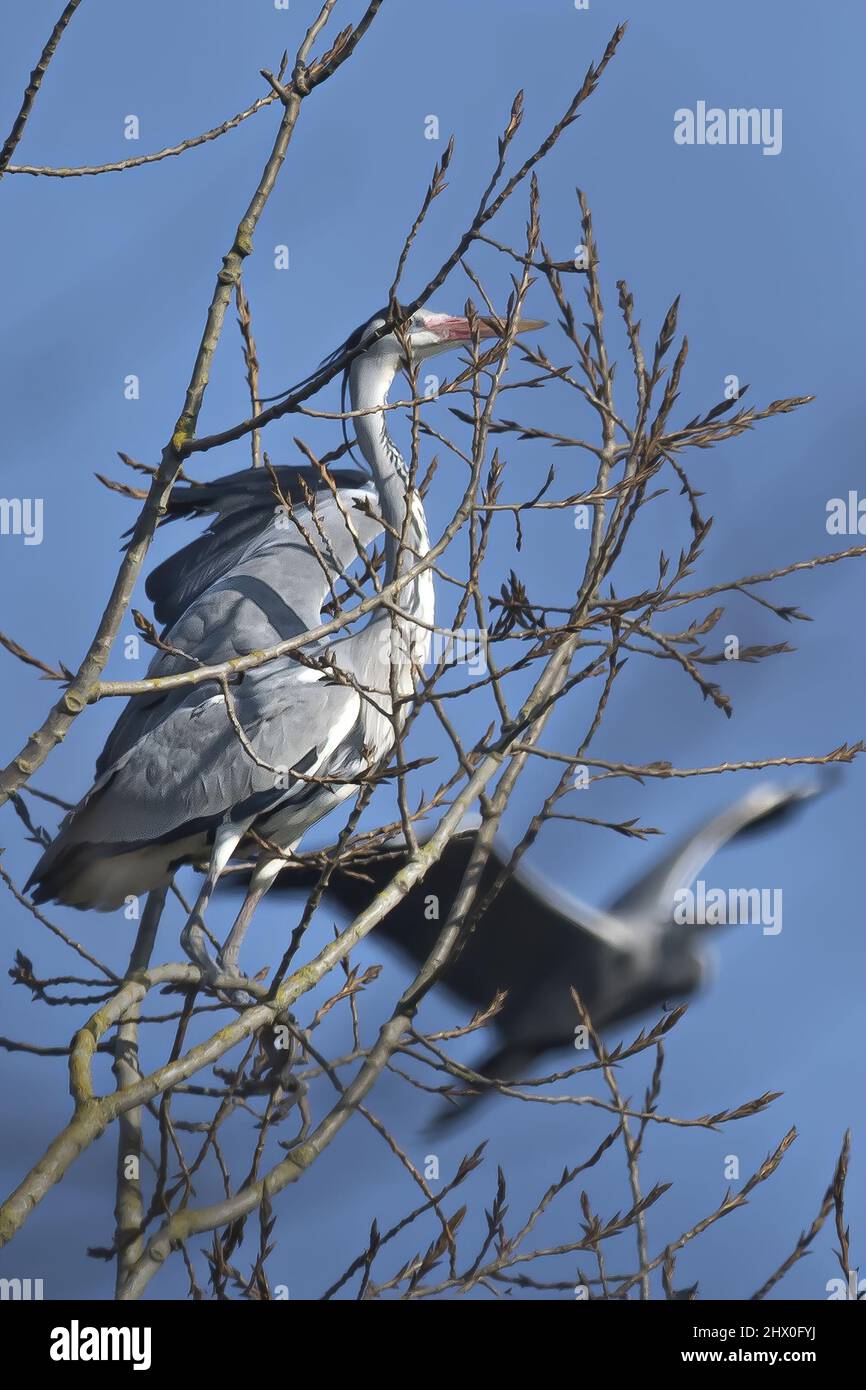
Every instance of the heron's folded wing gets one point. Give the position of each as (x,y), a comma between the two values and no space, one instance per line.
(265,587)
(247,512)
(192,769)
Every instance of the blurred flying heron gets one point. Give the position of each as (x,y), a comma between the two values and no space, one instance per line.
(537,940)
(188,772)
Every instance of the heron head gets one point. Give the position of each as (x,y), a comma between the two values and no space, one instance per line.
(430,333)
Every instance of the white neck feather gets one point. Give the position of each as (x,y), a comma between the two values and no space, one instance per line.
(370,380)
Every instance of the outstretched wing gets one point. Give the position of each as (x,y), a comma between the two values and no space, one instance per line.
(531,931)
(651,897)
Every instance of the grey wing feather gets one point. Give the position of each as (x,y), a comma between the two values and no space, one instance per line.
(174,765)
(241,504)
(195,751)
(264,586)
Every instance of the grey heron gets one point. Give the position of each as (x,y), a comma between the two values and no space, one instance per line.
(537,939)
(188,772)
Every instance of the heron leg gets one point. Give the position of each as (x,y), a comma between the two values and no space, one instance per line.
(192,938)
(263,876)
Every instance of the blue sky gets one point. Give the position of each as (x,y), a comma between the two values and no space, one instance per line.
(112,275)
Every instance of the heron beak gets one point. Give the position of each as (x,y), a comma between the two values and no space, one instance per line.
(458,330)
(495,328)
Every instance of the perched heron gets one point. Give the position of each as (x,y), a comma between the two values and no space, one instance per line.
(188,772)
(537,939)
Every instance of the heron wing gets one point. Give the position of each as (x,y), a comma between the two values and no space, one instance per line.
(246,512)
(651,897)
(249,583)
(190,769)
(530,931)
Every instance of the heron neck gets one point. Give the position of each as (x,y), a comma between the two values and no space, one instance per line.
(369,383)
